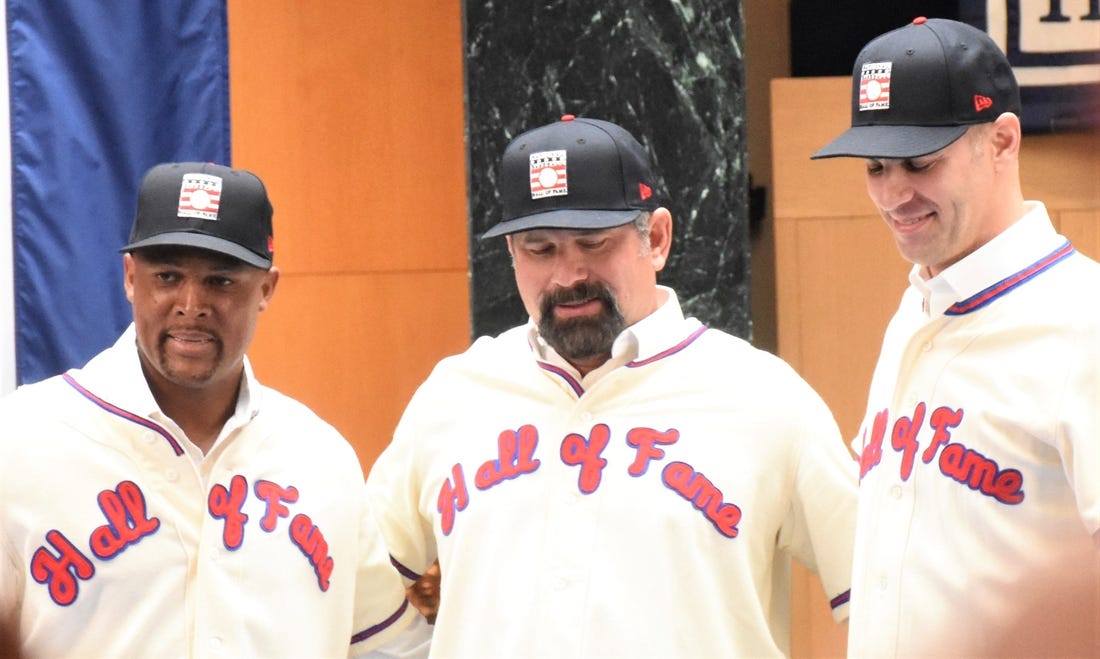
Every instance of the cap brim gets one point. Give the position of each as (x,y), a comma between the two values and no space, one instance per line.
(202,241)
(565,219)
(890,141)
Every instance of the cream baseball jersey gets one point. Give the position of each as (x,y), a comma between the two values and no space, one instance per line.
(115,542)
(980,460)
(651,514)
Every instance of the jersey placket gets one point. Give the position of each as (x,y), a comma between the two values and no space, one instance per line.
(892,485)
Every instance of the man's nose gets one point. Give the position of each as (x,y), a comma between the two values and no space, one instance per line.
(191,299)
(570,268)
(891,188)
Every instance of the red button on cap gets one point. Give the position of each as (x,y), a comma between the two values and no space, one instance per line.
(919,20)
(567,117)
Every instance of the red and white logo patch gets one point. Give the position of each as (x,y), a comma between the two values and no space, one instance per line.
(874,86)
(200,196)
(548,174)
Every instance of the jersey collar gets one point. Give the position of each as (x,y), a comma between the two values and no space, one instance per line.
(994,268)
(643,340)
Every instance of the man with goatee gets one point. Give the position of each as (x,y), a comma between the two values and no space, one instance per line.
(610,478)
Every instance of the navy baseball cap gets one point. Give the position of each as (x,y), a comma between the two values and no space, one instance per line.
(574,174)
(918,88)
(213,207)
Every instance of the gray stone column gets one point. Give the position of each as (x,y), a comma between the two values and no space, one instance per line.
(669,71)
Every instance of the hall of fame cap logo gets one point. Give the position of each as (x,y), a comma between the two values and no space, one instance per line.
(200,196)
(548,174)
(874,86)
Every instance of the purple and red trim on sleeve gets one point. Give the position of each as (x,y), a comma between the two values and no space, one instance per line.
(359,637)
(840,600)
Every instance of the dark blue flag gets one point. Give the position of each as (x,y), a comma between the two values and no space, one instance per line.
(98,93)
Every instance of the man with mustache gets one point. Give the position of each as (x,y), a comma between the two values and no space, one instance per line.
(979,510)
(611,478)
(162,502)
(581,336)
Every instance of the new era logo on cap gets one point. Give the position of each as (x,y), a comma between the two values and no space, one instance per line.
(548,174)
(200,196)
(874,86)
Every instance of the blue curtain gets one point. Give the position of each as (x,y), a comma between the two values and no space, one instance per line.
(99,91)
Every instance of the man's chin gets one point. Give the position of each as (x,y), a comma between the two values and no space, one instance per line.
(188,376)
(190,381)
(580,340)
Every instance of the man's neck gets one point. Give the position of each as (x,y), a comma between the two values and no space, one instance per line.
(589,364)
(200,413)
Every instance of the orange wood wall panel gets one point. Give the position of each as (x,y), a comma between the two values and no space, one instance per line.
(1083,229)
(848,276)
(358,367)
(814,633)
(839,276)
(801,123)
(1062,171)
(352,113)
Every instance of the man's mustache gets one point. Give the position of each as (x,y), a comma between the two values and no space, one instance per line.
(582,292)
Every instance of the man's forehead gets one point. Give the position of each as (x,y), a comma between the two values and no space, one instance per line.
(176,254)
(956,145)
(542,234)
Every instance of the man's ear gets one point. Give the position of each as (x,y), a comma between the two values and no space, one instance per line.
(660,237)
(1006,137)
(267,287)
(128,275)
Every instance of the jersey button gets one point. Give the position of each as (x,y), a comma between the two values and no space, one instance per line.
(171,475)
(927,346)
(895,491)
